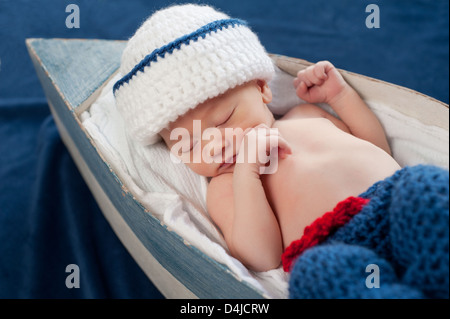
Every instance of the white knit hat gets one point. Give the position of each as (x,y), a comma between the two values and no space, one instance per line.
(180,57)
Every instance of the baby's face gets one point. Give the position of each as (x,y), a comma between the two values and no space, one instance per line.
(208,137)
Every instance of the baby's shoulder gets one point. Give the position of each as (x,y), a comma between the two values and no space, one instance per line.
(306,110)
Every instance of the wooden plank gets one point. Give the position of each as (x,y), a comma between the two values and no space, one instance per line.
(167,284)
(79,67)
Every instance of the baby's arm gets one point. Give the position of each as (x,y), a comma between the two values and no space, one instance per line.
(322,83)
(238,205)
(246,220)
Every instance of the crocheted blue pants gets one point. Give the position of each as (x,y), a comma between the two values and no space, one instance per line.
(397,246)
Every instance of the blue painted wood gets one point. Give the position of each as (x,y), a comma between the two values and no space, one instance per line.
(199,273)
(79,67)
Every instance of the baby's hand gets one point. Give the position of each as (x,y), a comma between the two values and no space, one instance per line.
(260,149)
(320,83)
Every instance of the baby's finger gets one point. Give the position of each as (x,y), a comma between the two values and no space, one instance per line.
(282,153)
(301,76)
(326,65)
(307,81)
(279,143)
(261,130)
(284,145)
(302,91)
(300,73)
(262,125)
(272,131)
(312,79)
(310,74)
(319,71)
(246,131)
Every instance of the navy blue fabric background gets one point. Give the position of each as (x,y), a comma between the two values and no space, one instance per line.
(49,219)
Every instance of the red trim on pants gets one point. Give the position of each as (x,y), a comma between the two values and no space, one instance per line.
(321,228)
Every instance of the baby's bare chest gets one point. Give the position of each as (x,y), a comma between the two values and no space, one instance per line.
(327,165)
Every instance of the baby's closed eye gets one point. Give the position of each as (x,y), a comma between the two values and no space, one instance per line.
(226,117)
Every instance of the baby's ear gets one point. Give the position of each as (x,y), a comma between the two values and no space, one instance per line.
(266,92)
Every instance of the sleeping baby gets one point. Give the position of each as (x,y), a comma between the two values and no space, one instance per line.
(319,194)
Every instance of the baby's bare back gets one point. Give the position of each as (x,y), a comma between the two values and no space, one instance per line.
(327,165)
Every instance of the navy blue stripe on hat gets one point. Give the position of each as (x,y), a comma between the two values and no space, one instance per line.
(176,44)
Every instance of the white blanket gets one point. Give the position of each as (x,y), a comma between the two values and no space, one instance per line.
(177,196)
